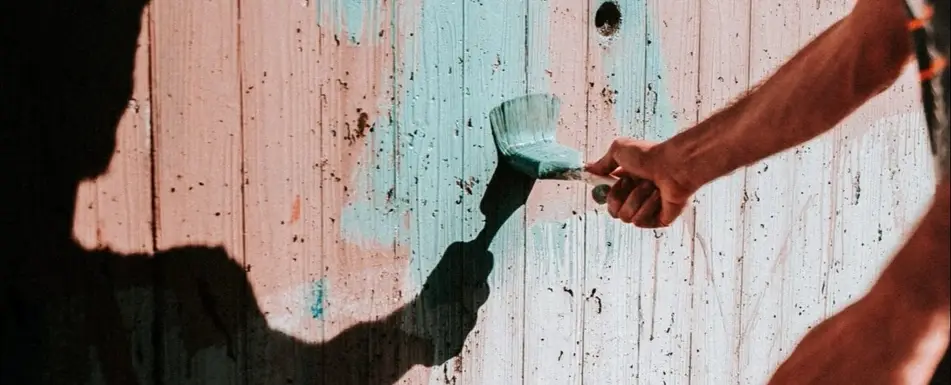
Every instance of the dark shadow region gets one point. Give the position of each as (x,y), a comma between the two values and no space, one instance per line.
(66,73)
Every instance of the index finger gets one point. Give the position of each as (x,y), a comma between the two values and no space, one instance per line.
(604,166)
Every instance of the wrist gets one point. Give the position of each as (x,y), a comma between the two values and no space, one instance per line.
(694,157)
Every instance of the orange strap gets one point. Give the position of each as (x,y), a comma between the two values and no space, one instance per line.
(920,22)
(937,65)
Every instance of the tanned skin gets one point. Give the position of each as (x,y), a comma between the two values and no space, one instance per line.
(897,332)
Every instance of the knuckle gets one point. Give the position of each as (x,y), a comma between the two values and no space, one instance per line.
(613,204)
(625,214)
(625,218)
(619,143)
(612,210)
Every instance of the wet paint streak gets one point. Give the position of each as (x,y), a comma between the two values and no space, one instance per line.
(495,63)
(318,290)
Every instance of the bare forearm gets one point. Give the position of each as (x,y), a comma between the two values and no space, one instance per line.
(918,276)
(837,72)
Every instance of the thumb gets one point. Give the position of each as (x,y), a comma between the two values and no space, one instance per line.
(604,166)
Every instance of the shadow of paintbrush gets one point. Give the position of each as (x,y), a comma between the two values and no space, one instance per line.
(524,129)
(458,286)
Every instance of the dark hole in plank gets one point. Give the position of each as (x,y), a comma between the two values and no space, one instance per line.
(608,18)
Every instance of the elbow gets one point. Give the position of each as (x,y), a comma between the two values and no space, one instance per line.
(884,46)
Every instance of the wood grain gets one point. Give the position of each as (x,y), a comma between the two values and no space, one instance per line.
(282,202)
(494,63)
(114,212)
(554,283)
(773,216)
(614,252)
(330,208)
(437,189)
(665,343)
(718,235)
(198,160)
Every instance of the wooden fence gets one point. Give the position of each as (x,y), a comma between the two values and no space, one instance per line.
(316,184)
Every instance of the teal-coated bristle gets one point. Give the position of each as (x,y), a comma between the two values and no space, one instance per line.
(524,131)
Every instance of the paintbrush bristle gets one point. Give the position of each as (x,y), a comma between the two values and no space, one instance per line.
(524,129)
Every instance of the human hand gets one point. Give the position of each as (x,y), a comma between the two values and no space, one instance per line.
(648,194)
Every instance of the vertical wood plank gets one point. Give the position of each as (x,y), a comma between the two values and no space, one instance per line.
(116,208)
(494,63)
(198,191)
(723,62)
(283,207)
(555,296)
(771,211)
(881,180)
(841,204)
(644,274)
(114,212)
(363,267)
(811,205)
(614,252)
(434,186)
(670,103)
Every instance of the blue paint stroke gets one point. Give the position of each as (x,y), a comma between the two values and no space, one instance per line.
(318,291)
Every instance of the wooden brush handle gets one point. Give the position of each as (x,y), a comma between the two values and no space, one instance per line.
(602,184)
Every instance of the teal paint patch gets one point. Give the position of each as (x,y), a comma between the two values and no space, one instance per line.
(643,107)
(353,13)
(375,214)
(415,168)
(661,122)
(316,296)
(412,166)
(431,163)
(555,245)
(431,181)
(352,16)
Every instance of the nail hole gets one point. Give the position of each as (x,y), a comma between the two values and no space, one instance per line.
(608,18)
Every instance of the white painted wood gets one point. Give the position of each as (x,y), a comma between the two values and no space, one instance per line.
(718,237)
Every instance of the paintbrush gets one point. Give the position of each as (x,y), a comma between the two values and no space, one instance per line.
(524,131)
